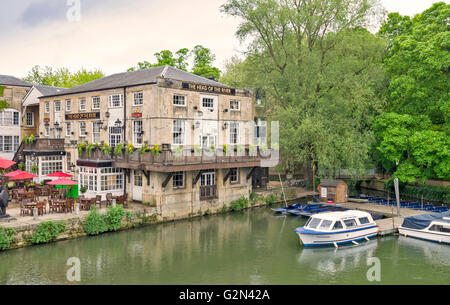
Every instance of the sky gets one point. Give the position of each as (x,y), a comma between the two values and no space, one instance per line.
(113,35)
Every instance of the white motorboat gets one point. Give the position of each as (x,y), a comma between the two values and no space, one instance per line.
(433,227)
(337,228)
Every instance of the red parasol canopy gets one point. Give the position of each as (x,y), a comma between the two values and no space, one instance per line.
(15,173)
(60,175)
(62,182)
(5,164)
(23,176)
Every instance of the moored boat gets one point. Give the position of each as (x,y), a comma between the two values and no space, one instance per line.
(434,227)
(337,228)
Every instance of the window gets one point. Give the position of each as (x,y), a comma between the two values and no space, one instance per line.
(82,129)
(111,179)
(235,105)
(95,132)
(179,100)
(57,106)
(208,102)
(51,164)
(350,223)
(115,136)
(68,106)
(260,132)
(234,133)
(338,225)
(234,175)
(208,188)
(364,220)
(16,118)
(68,160)
(207,141)
(82,104)
(325,224)
(178,180)
(16,143)
(439,228)
(96,102)
(115,101)
(9,118)
(68,129)
(47,130)
(29,120)
(138,98)
(137,179)
(1,143)
(178,132)
(137,132)
(8,144)
(88,178)
(314,223)
(47,107)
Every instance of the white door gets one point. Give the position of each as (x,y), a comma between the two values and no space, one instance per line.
(137,185)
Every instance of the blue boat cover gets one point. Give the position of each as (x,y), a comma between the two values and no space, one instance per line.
(423,221)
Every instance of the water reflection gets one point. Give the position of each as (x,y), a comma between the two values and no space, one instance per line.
(252,247)
(332,261)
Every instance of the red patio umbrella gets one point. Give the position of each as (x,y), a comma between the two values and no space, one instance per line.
(23,176)
(5,164)
(59,175)
(15,173)
(62,182)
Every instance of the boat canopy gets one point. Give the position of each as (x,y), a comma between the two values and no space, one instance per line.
(423,221)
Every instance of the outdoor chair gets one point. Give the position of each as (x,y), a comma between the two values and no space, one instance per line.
(98,200)
(41,208)
(68,207)
(109,199)
(24,210)
(92,202)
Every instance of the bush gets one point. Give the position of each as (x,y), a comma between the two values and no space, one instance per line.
(7,236)
(95,223)
(239,204)
(47,231)
(271,199)
(113,218)
(429,192)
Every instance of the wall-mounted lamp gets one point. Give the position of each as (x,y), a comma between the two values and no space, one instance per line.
(100,124)
(225,126)
(196,125)
(118,123)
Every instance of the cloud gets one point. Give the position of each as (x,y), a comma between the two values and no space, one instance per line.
(42,12)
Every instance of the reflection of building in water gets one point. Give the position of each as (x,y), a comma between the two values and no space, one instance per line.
(331,260)
(434,253)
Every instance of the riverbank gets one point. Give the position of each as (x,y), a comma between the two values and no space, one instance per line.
(135,215)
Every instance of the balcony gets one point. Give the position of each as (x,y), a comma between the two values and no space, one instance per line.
(40,145)
(184,159)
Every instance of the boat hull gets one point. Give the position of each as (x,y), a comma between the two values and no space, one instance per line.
(333,239)
(425,235)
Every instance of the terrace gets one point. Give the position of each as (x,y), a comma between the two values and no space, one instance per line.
(185,159)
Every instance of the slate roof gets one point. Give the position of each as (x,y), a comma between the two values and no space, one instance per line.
(13,81)
(49,90)
(139,77)
(331,183)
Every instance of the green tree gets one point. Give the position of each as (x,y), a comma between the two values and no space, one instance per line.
(166,57)
(409,149)
(418,63)
(203,59)
(321,73)
(61,77)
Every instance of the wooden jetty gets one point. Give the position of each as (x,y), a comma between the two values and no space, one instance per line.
(389,225)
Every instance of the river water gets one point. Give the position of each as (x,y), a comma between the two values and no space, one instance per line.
(251,247)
